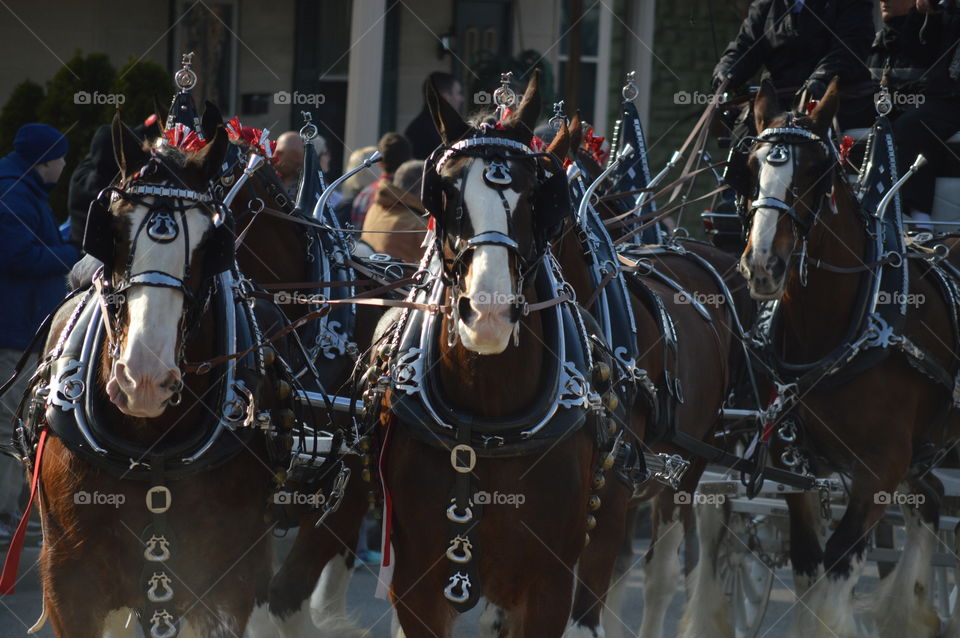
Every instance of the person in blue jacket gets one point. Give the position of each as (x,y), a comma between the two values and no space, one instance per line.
(34,262)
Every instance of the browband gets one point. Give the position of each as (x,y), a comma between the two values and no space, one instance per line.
(479,142)
(167,191)
(771,135)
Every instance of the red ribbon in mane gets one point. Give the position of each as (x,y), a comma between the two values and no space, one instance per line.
(183,137)
(594,144)
(258,138)
(846,143)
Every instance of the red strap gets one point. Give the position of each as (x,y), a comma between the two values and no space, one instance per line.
(387,501)
(8,580)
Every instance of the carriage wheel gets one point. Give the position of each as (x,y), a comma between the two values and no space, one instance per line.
(946,581)
(746,578)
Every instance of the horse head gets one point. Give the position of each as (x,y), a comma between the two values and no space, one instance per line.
(495,204)
(792,166)
(162,238)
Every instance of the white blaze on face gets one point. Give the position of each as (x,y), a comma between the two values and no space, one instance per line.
(488,283)
(146,372)
(775,181)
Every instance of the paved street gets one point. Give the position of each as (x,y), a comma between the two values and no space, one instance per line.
(19,611)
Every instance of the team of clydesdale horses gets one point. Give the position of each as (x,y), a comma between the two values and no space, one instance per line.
(504,288)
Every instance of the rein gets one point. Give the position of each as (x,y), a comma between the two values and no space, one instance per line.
(203,367)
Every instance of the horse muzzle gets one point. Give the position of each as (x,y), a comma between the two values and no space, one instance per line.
(144,394)
(485,327)
(765,273)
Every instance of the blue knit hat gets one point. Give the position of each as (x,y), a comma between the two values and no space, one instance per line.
(39,143)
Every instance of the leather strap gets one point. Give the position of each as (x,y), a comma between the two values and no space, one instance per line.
(8,580)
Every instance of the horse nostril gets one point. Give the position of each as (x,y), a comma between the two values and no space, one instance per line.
(775,266)
(465,309)
(123,376)
(172,381)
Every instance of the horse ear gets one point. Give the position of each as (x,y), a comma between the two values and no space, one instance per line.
(127,148)
(448,122)
(766,106)
(529,110)
(211,120)
(208,161)
(161,112)
(560,146)
(826,108)
(576,134)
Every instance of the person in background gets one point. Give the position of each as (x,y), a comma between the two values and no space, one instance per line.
(916,55)
(95,172)
(323,152)
(396,211)
(801,45)
(355,183)
(289,164)
(34,260)
(395,150)
(421,131)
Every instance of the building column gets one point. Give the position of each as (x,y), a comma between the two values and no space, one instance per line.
(640,58)
(364,80)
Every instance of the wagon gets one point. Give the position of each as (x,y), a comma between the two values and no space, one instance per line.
(757,542)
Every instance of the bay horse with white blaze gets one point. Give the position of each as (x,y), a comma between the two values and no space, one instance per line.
(868,386)
(691,284)
(154,480)
(497,385)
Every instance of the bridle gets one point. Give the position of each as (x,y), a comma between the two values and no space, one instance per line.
(164,223)
(784,139)
(497,152)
